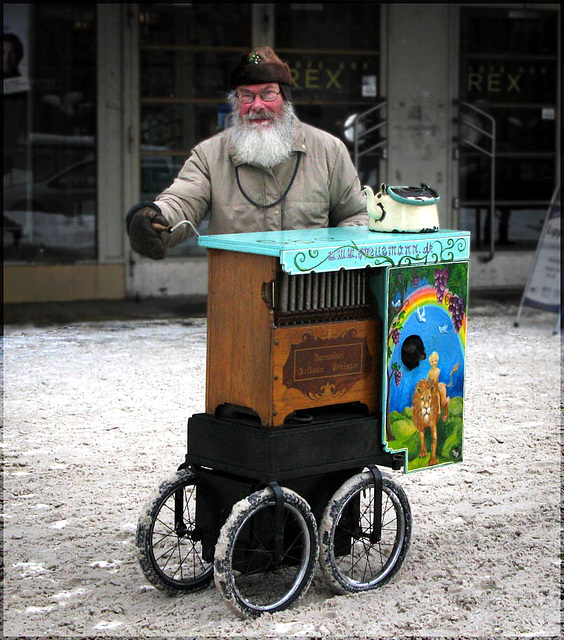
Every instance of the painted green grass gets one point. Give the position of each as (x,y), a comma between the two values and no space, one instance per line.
(449,436)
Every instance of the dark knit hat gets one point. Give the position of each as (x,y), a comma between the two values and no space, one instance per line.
(260,66)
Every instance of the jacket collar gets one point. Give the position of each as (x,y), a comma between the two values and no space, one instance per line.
(298,143)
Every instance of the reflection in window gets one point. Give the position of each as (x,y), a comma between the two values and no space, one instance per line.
(49,135)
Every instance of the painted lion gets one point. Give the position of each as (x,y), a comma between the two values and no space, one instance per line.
(426,411)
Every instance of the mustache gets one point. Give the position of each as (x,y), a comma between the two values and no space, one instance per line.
(259,115)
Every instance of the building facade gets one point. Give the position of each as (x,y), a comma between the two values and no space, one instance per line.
(103,102)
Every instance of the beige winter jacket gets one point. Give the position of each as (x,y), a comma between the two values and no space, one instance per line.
(326,191)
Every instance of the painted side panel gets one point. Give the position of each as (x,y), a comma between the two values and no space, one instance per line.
(425,371)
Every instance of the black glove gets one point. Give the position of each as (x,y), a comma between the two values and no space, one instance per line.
(143,237)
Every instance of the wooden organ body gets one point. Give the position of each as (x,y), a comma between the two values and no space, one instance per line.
(310,319)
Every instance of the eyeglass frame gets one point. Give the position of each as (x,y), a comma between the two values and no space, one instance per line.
(260,95)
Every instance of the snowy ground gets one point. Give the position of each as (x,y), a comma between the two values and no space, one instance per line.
(94,419)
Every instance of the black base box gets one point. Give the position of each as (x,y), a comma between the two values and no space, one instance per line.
(242,448)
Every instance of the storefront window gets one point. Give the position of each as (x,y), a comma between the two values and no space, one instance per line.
(49,132)
(187,53)
(509,63)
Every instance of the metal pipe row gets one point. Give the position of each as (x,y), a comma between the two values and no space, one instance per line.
(317,291)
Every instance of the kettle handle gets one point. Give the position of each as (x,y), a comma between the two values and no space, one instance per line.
(373,215)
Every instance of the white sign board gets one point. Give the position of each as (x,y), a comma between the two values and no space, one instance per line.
(543,289)
(544,285)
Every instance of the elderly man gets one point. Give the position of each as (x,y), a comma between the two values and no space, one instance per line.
(267,172)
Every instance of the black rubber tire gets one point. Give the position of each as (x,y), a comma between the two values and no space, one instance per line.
(246,573)
(171,559)
(355,563)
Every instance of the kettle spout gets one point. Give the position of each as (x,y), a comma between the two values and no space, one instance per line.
(372,208)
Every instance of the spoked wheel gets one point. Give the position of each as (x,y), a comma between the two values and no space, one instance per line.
(266,553)
(168,542)
(351,557)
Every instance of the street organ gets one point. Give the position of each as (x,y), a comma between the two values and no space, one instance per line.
(331,353)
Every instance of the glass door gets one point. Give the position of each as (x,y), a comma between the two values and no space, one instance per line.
(333,50)
(508,73)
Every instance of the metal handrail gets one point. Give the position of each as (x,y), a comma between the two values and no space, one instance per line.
(491,154)
(359,136)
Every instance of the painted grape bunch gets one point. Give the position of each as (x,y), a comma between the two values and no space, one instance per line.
(397,377)
(441,279)
(396,336)
(456,307)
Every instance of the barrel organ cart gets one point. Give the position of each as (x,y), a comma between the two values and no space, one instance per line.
(331,353)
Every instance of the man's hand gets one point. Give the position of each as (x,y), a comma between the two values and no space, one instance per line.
(145,223)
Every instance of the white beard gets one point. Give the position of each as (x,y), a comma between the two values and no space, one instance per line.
(265,146)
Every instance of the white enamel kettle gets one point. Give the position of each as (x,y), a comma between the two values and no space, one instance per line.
(402,209)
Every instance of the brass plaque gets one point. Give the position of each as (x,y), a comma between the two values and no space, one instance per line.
(321,367)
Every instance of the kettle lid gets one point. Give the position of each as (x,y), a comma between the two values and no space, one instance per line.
(418,196)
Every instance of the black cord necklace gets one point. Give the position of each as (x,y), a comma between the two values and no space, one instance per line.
(267,206)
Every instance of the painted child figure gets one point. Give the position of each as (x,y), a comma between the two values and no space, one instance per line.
(433,378)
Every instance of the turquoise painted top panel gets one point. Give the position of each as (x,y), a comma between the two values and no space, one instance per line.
(330,249)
